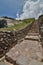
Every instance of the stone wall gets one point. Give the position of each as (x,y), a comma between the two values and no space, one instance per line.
(7,40)
(40,23)
(23,32)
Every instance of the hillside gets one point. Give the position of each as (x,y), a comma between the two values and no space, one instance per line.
(19,24)
(16,24)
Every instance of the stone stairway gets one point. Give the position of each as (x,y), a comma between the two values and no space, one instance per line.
(25,52)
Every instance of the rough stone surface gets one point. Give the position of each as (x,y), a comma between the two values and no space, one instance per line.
(34,62)
(22,60)
(4,63)
(28,49)
(7,40)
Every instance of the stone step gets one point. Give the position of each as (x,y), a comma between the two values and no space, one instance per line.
(32,38)
(33,34)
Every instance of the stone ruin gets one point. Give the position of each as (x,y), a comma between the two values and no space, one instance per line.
(7,40)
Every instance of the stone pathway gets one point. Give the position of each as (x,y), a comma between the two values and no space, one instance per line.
(34,62)
(24,52)
(5,63)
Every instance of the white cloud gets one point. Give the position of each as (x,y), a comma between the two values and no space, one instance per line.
(32,9)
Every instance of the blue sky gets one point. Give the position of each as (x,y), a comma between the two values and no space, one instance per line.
(11,8)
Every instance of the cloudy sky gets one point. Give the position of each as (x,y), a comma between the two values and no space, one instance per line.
(21,9)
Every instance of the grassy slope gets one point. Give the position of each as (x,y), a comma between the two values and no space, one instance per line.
(20,25)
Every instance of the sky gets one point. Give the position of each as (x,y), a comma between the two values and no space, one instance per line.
(11,7)
(21,9)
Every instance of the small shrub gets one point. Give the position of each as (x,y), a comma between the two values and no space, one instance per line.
(3,23)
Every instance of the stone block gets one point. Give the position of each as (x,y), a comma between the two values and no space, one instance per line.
(32,38)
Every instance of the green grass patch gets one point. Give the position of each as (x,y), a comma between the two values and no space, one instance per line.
(18,26)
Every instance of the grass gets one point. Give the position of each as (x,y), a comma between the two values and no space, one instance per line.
(18,26)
